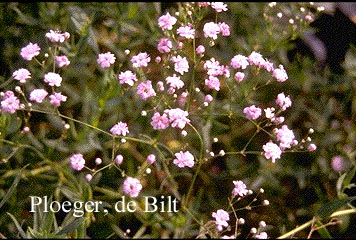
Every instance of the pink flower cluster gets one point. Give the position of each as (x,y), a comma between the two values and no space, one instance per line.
(176,117)
(132,186)
(184,159)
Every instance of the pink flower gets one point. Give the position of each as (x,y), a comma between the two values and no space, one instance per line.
(164,45)
(285,136)
(38,95)
(283,101)
(272,151)
(106,59)
(77,161)
(312,147)
(239,61)
(57,98)
(127,77)
(174,82)
(261,235)
(214,68)
(208,98)
(159,122)
(62,61)
(180,64)
(256,58)
(141,60)
(57,36)
(53,79)
(252,112)
(30,51)
(120,129)
(10,103)
(145,90)
(213,83)
(132,187)
(280,74)
(268,66)
(200,49)
(219,6)
(184,159)
(338,163)
(119,159)
(221,218)
(211,30)
(151,158)
(186,31)
(166,22)
(239,76)
(224,29)
(177,117)
(22,75)
(239,189)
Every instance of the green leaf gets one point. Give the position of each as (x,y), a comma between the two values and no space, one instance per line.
(13,187)
(18,226)
(72,226)
(326,210)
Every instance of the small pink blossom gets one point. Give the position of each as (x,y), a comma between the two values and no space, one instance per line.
(184,159)
(145,90)
(77,161)
(120,129)
(38,95)
(256,58)
(175,82)
(164,45)
(239,61)
(53,79)
(208,98)
(22,75)
(166,22)
(127,77)
(283,101)
(200,49)
(214,68)
(151,158)
(177,117)
(141,60)
(106,59)
(272,151)
(312,147)
(338,163)
(280,74)
(10,103)
(224,29)
(261,235)
(213,83)
(57,36)
(30,51)
(180,64)
(159,122)
(239,189)
(239,76)
(132,187)
(252,112)
(186,31)
(219,6)
(221,218)
(211,30)
(57,98)
(285,136)
(62,61)
(119,159)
